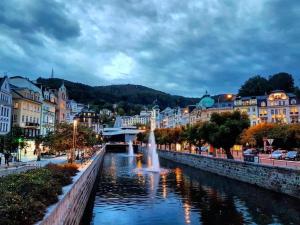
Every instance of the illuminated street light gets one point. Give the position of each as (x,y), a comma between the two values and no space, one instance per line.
(74,141)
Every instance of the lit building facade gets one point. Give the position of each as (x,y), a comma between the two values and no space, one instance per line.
(89,118)
(27,106)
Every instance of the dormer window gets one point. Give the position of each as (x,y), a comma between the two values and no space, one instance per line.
(293,101)
(263,104)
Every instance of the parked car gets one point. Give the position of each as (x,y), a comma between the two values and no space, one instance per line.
(278,154)
(292,155)
(250,151)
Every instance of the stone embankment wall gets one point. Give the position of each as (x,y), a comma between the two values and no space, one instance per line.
(71,206)
(279,179)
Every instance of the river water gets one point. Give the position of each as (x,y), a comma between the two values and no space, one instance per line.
(184,195)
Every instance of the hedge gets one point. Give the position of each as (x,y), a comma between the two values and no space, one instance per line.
(25,197)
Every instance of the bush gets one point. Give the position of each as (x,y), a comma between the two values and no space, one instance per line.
(24,197)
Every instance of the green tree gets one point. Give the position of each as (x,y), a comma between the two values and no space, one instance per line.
(13,140)
(62,139)
(282,81)
(223,130)
(256,85)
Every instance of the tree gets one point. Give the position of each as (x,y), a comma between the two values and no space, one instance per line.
(223,130)
(256,85)
(62,139)
(13,140)
(282,81)
(285,135)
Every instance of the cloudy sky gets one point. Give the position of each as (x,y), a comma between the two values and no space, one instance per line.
(180,47)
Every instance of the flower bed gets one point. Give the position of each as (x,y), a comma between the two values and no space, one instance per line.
(24,197)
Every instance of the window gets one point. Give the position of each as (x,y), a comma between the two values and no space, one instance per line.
(272,111)
(26,119)
(284,111)
(293,102)
(23,118)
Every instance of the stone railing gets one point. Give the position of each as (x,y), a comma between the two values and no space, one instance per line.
(72,203)
(279,179)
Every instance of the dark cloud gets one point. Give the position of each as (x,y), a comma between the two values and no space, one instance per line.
(30,17)
(181,47)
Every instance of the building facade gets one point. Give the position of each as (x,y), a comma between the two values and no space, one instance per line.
(48,111)
(27,106)
(73,108)
(61,106)
(89,118)
(5,106)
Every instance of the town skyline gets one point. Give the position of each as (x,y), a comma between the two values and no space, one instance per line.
(183,48)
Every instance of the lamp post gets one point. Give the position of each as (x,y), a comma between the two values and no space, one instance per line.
(74,141)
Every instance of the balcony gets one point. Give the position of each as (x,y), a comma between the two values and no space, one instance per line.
(30,124)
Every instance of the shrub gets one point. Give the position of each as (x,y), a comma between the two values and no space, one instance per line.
(24,197)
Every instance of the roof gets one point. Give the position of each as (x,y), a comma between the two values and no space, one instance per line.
(21,82)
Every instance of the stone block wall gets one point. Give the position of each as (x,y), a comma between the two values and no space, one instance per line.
(71,206)
(279,179)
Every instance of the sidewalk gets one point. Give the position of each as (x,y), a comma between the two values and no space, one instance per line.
(17,167)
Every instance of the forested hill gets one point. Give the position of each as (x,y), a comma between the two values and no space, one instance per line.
(122,94)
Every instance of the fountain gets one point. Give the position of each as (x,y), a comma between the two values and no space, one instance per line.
(130,149)
(153,163)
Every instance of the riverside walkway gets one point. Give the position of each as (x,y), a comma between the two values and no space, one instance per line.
(238,156)
(18,167)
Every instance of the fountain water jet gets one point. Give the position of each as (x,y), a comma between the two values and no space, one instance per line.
(130,149)
(153,164)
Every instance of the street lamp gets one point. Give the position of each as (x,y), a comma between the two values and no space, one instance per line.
(74,141)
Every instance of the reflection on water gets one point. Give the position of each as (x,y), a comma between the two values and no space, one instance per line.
(182,196)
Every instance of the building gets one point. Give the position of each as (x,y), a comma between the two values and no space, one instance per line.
(89,118)
(282,107)
(277,107)
(73,108)
(5,106)
(27,105)
(61,106)
(128,121)
(250,105)
(48,111)
(186,114)
(170,117)
(211,104)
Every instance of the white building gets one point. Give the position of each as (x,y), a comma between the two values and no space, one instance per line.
(129,121)
(48,111)
(170,118)
(73,108)
(5,106)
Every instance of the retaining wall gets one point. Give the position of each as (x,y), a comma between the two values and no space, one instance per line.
(71,206)
(279,179)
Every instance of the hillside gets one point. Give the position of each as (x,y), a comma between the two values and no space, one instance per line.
(130,97)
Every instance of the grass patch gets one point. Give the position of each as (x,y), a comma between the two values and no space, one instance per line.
(24,197)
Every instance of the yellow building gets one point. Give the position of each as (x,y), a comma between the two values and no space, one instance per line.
(27,105)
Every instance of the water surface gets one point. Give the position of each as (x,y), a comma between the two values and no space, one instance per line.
(183,196)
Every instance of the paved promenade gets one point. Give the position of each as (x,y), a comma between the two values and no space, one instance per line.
(263,158)
(17,167)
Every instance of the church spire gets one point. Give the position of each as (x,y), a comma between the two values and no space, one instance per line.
(52,73)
